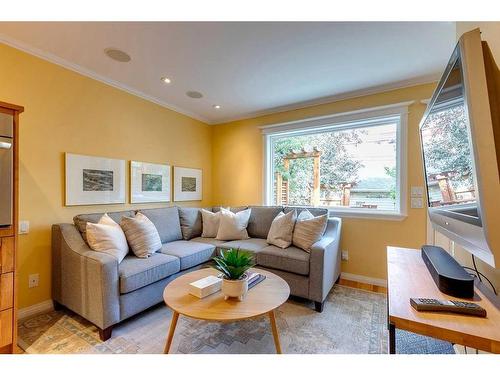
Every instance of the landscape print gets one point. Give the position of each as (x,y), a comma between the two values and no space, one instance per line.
(188,184)
(97,180)
(151,182)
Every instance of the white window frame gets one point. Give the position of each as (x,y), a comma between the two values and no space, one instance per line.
(397,113)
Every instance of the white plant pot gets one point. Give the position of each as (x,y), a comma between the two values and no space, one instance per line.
(235,288)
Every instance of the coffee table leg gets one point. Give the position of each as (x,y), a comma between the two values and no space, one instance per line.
(274,328)
(171,331)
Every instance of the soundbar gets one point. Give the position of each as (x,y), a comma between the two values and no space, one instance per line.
(449,276)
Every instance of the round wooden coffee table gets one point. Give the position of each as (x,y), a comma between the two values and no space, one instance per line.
(262,299)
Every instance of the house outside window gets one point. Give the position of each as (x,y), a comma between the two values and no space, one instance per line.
(354,164)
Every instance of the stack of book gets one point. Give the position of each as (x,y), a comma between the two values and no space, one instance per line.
(254,278)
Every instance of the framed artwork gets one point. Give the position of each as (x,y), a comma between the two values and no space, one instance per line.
(187,184)
(149,182)
(94,180)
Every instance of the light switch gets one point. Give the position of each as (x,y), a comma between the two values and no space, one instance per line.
(417,203)
(417,191)
(24,227)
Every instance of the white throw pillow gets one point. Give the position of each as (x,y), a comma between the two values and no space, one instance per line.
(107,237)
(210,221)
(233,226)
(141,234)
(308,230)
(281,231)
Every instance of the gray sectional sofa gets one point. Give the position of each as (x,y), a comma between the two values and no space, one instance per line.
(95,286)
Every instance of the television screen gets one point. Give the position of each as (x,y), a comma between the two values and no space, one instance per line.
(446,143)
(460,140)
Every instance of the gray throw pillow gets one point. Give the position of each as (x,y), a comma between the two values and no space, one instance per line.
(191,222)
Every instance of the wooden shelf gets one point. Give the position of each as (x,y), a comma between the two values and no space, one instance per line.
(409,277)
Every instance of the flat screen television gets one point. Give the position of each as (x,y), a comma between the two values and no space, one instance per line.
(460,139)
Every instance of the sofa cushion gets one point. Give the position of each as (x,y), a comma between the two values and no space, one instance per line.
(211,241)
(136,272)
(191,223)
(190,253)
(81,221)
(252,244)
(291,259)
(166,221)
(261,219)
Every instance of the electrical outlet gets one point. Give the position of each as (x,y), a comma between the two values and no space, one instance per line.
(345,255)
(33,280)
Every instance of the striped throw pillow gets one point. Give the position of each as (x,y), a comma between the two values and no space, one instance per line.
(308,230)
(142,235)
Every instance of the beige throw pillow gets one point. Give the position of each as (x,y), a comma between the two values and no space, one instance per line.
(308,230)
(281,231)
(107,237)
(142,235)
(210,221)
(233,226)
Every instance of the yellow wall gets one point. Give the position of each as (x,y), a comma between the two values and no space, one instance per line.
(65,111)
(237,176)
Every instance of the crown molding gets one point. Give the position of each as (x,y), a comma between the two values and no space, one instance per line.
(47,56)
(431,78)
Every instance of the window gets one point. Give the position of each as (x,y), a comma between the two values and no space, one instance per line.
(350,163)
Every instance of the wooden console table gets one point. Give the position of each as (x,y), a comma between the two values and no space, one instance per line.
(409,277)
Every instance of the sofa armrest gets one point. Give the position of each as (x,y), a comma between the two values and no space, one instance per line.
(84,280)
(325,260)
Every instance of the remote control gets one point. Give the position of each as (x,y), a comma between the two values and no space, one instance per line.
(457,307)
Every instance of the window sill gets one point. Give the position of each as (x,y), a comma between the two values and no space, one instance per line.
(367,214)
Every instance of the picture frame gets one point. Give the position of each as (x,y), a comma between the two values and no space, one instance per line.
(188,184)
(93,180)
(149,182)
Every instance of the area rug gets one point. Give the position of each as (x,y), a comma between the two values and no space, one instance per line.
(353,321)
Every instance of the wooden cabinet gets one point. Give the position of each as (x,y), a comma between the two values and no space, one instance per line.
(6,330)
(8,235)
(6,291)
(7,245)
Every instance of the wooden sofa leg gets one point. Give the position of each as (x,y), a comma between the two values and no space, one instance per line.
(318,306)
(105,334)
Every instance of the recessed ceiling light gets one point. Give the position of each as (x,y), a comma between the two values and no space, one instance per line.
(194,94)
(216,106)
(166,79)
(117,55)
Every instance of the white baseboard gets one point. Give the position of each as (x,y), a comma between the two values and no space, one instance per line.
(35,309)
(363,279)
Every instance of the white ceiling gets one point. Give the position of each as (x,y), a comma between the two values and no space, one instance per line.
(247,68)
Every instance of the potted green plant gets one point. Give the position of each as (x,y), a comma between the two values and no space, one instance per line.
(233,263)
